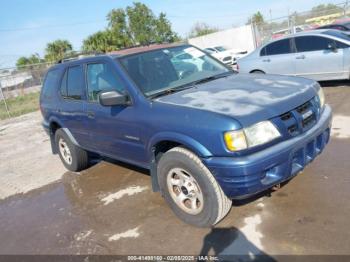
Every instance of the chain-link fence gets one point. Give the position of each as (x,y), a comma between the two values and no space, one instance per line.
(302,21)
(20,88)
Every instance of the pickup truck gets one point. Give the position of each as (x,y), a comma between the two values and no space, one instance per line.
(207,134)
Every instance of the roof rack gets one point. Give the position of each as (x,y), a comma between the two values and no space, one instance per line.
(79,55)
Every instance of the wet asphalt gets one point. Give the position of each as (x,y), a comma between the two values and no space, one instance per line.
(111,209)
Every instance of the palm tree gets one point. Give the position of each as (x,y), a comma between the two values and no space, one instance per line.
(101,41)
(57,50)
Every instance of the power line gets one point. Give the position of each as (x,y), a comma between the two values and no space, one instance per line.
(49,26)
(232,16)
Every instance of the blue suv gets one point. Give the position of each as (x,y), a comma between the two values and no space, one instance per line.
(206,133)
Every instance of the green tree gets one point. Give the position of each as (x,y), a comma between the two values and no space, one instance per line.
(57,50)
(142,24)
(200,29)
(135,25)
(117,22)
(30,62)
(102,41)
(257,18)
(163,30)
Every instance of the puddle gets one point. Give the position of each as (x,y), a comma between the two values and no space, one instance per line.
(124,192)
(132,233)
(70,217)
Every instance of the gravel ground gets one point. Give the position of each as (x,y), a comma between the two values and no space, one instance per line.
(26,162)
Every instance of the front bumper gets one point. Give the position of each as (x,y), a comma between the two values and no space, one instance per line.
(245,176)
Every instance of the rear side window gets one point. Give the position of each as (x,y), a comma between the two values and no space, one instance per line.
(72,85)
(312,43)
(50,83)
(277,48)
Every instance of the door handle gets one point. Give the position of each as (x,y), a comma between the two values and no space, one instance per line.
(267,60)
(90,114)
(300,57)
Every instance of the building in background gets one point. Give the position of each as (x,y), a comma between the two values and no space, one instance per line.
(240,39)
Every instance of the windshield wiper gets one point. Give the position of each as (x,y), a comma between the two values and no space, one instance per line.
(189,85)
(171,90)
(211,78)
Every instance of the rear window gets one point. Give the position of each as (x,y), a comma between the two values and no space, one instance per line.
(277,48)
(50,83)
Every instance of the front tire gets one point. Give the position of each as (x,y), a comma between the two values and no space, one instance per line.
(73,157)
(190,189)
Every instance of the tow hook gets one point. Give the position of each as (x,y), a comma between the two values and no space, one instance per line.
(276,187)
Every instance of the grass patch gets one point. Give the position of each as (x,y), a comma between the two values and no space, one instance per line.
(20,105)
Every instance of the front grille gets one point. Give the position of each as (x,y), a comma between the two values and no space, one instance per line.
(300,119)
(309,121)
(304,107)
(292,129)
(286,116)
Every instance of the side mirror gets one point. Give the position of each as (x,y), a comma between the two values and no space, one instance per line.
(332,47)
(113,98)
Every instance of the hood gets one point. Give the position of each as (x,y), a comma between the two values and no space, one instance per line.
(248,98)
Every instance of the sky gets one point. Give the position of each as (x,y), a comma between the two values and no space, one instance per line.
(26,26)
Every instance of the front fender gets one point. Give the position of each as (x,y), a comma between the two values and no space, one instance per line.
(187,141)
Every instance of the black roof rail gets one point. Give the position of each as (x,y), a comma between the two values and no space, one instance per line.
(79,55)
(141,45)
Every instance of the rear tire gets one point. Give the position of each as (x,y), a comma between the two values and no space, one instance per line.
(73,157)
(190,189)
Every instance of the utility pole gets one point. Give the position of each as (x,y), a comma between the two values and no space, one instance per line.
(345,7)
(290,31)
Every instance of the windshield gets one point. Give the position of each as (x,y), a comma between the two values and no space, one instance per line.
(169,68)
(220,48)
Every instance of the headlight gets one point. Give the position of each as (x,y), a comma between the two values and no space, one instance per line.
(321,97)
(261,133)
(235,140)
(254,135)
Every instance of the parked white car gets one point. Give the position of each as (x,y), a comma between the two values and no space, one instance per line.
(227,56)
(319,54)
